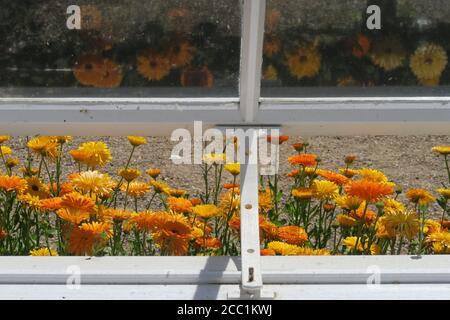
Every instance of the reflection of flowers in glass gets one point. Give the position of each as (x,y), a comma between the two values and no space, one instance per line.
(181,54)
(304,62)
(388,53)
(91,17)
(272,19)
(194,77)
(92,70)
(153,66)
(270,73)
(271,45)
(361,47)
(180,19)
(428,62)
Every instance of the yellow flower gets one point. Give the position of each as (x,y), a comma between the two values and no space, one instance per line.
(349,173)
(388,53)
(403,223)
(392,204)
(160,187)
(350,243)
(44,146)
(32,202)
(304,62)
(345,220)
(444,192)
(63,139)
(283,248)
(349,202)
(440,241)
(136,140)
(43,252)
(214,158)
(302,193)
(233,168)
(179,205)
(153,172)
(420,196)
(93,182)
(431,226)
(206,211)
(270,73)
(177,192)
(129,174)
(373,175)
(4,138)
(11,163)
(325,190)
(37,188)
(5,150)
(444,150)
(96,153)
(136,189)
(265,200)
(428,61)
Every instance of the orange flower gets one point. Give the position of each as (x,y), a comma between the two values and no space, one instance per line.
(75,208)
(420,196)
(369,191)
(148,221)
(302,193)
(305,160)
(97,71)
(298,146)
(337,178)
(279,139)
(362,47)
(51,204)
(153,66)
(13,183)
(369,217)
(196,201)
(267,229)
(213,243)
(173,235)
(153,172)
(89,237)
(267,252)
(292,234)
(117,214)
(179,205)
(229,186)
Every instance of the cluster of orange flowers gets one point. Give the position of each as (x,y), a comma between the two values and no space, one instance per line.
(89,212)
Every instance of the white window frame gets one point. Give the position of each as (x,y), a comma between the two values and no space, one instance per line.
(228,277)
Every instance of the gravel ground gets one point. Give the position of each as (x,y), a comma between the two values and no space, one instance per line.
(408,161)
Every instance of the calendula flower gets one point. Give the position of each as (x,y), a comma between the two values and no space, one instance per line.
(4,139)
(337,178)
(325,190)
(277,139)
(32,202)
(148,221)
(233,168)
(305,160)
(12,162)
(267,229)
(206,211)
(428,61)
(444,150)
(136,141)
(292,234)
(230,201)
(431,226)
(345,220)
(153,172)
(160,187)
(75,208)
(267,252)
(444,192)
(129,174)
(403,223)
(117,214)
(350,243)
(153,66)
(96,153)
(51,204)
(388,53)
(420,196)
(173,235)
(440,241)
(229,186)
(283,248)
(265,202)
(136,189)
(88,237)
(349,173)
(369,191)
(302,193)
(43,252)
(44,146)
(13,183)
(369,215)
(214,158)
(179,205)
(93,182)
(373,175)
(349,202)
(37,188)
(79,156)
(304,62)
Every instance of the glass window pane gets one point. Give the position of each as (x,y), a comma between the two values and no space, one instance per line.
(122,48)
(337,45)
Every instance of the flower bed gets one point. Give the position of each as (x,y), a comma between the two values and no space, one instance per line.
(46,211)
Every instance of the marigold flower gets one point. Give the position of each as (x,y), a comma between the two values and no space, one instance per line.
(444,150)
(373,175)
(270,73)
(349,202)
(32,202)
(89,237)
(267,229)
(305,160)
(325,190)
(137,140)
(179,205)
(75,208)
(370,191)
(174,235)
(28,172)
(265,202)
(117,214)
(63,139)
(440,241)
(44,146)
(206,211)
(431,226)
(51,204)
(233,168)
(153,172)
(13,183)
(93,182)
(420,196)
(136,189)
(362,46)
(369,215)
(292,234)
(271,46)
(97,153)
(43,252)
(404,223)
(392,204)
(148,221)
(129,174)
